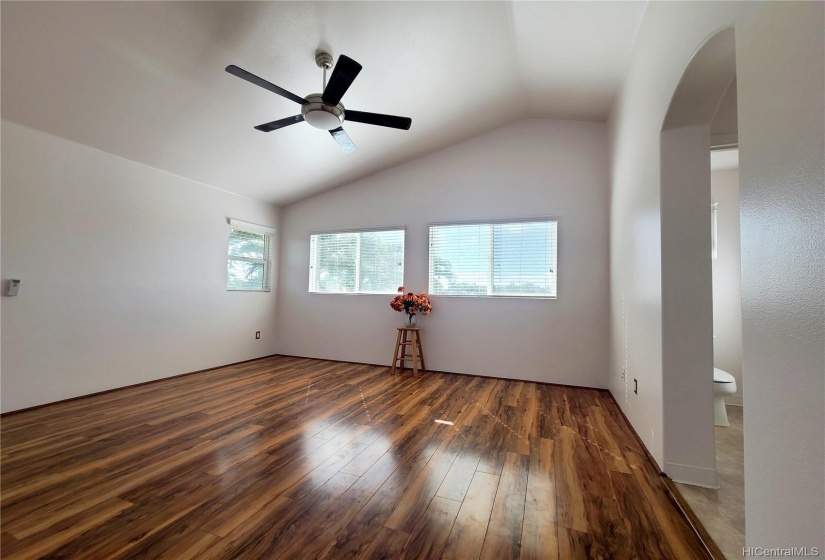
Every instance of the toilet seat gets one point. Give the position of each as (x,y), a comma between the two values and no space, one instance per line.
(721,376)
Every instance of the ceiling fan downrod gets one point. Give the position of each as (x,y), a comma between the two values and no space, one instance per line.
(324,61)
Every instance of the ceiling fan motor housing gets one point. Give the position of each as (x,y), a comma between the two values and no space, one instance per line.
(322,115)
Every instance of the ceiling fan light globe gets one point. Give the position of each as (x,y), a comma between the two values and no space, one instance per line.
(320,115)
(323,120)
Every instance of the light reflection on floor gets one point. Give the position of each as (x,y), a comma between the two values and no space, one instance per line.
(359,428)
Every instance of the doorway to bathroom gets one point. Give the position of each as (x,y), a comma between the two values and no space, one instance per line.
(701,294)
(722,510)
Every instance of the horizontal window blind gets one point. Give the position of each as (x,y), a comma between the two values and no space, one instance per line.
(515,259)
(361,262)
(249,226)
(249,262)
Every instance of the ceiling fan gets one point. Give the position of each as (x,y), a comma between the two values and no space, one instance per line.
(324,110)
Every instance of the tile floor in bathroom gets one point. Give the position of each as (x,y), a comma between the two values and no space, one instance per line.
(722,511)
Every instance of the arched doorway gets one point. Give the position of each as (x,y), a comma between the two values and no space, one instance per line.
(687,291)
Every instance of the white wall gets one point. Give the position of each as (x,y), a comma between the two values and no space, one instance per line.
(781,131)
(532,168)
(727,281)
(687,306)
(123,271)
(782,182)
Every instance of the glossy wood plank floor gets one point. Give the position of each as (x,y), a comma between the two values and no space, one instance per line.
(298,458)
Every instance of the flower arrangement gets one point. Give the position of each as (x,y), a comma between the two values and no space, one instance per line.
(411,304)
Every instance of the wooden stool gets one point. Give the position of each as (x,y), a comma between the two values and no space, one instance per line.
(408,336)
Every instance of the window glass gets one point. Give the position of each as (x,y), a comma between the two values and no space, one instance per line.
(365,262)
(514,259)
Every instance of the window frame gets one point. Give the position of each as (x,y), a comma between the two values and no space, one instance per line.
(311,276)
(253,229)
(491,272)
(714,231)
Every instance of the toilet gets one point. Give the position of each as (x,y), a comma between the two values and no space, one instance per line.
(723,385)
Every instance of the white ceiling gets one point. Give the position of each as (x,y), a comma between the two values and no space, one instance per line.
(146,80)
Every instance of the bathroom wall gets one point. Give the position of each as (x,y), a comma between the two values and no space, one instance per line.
(727,280)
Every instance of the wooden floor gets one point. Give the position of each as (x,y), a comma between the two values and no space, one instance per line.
(298,458)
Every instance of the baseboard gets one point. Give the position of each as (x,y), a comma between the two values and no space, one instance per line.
(688,474)
(455,373)
(19,410)
(70,399)
(676,497)
(635,433)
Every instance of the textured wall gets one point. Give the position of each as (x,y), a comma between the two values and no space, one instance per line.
(781,147)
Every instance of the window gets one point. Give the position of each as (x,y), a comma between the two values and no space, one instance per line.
(358,262)
(515,259)
(249,264)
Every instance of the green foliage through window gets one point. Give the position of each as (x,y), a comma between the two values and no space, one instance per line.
(366,262)
(248,264)
(516,259)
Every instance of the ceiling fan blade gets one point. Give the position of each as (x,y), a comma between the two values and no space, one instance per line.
(343,140)
(344,73)
(275,125)
(390,121)
(252,78)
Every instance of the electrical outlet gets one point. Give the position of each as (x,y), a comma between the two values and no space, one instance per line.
(635,386)
(624,373)
(257,335)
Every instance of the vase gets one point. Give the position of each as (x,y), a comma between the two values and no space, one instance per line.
(410,320)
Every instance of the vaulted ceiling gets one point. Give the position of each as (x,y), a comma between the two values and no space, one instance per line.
(146,80)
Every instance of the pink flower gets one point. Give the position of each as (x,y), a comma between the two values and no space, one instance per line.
(411,303)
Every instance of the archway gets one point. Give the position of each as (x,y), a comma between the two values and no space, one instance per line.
(687,311)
